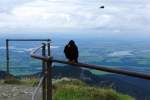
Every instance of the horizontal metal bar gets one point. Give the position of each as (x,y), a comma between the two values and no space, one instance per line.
(44,58)
(28,40)
(37,88)
(35,50)
(96,67)
(106,69)
(33,55)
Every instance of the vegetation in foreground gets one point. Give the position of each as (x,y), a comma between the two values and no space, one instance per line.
(72,89)
(13,81)
(77,90)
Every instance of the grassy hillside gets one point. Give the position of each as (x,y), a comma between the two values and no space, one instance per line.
(73,89)
(77,90)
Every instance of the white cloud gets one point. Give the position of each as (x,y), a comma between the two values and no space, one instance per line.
(63,15)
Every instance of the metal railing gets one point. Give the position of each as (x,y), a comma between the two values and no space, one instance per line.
(46,71)
(34,94)
(47,67)
(7,48)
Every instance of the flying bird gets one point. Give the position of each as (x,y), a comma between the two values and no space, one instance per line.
(102,7)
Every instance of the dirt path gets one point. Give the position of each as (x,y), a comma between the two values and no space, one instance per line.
(17,92)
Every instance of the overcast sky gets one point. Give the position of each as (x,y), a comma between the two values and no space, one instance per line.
(75,15)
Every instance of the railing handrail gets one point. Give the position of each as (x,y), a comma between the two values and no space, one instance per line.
(28,40)
(35,50)
(106,69)
(33,55)
(95,67)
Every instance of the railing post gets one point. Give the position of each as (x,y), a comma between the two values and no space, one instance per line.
(49,80)
(7,55)
(43,72)
(48,49)
(49,74)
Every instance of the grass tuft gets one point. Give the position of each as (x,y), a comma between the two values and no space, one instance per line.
(77,90)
